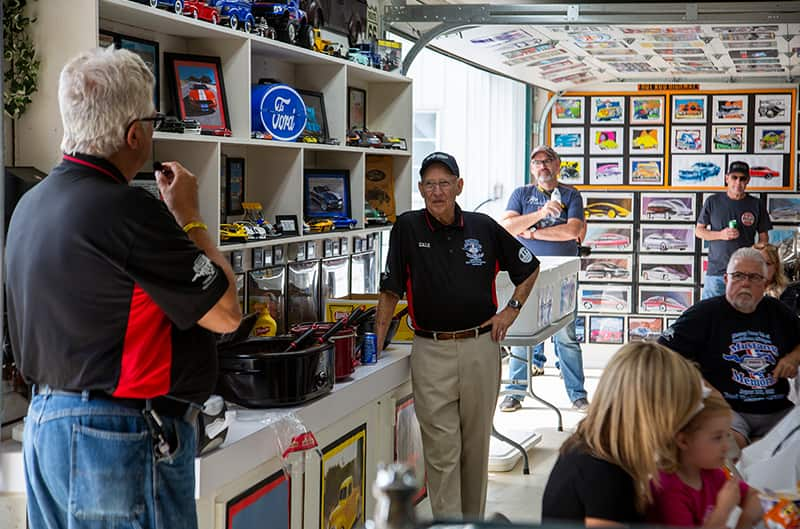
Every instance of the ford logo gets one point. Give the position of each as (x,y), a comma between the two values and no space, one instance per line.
(278,110)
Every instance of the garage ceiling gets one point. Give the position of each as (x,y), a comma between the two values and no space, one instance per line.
(561,46)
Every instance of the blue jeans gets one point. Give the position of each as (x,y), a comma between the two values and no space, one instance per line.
(90,464)
(569,358)
(713,286)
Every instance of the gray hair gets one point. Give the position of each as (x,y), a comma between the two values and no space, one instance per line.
(746,254)
(100,92)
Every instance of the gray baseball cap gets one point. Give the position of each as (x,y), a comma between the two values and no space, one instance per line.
(547,150)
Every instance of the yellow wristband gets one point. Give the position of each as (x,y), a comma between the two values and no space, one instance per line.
(192,225)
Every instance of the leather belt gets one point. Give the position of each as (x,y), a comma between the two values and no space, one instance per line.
(453,335)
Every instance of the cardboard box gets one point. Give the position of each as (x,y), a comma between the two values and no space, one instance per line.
(336,308)
(379,184)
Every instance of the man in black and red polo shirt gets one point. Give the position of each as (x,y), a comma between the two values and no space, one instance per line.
(112,297)
(446,261)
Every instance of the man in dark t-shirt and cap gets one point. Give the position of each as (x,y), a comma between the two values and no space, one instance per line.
(729,221)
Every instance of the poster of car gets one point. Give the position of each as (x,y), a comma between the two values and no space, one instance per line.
(726,138)
(606,140)
(580,329)
(572,171)
(408,442)
(567,140)
(646,140)
(327,193)
(567,110)
(772,138)
(665,300)
(342,487)
(604,298)
(646,171)
(669,269)
(644,329)
(689,108)
(703,269)
(773,108)
(688,139)
(698,170)
(729,109)
(608,206)
(766,170)
(606,267)
(672,206)
(607,329)
(647,110)
(665,238)
(269,499)
(608,110)
(606,171)
(609,237)
(779,234)
(784,208)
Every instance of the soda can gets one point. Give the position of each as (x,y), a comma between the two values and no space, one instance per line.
(369,351)
(732,223)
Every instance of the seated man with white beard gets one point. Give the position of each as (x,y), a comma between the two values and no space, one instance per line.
(746,345)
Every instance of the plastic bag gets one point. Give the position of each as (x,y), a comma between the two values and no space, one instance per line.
(781,509)
(292,440)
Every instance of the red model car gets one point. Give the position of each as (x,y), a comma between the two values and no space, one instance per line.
(202,98)
(200,9)
(763,172)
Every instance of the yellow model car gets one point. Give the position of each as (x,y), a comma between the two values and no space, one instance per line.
(319,225)
(347,511)
(605,209)
(232,232)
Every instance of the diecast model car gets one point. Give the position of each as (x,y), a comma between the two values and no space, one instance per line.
(200,9)
(647,171)
(699,171)
(605,209)
(340,222)
(363,138)
(603,300)
(608,170)
(174,5)
(325,46)
(605,269)
(319,225)
(568,140)
(374,216)
(771,108)
(202,98)
(236,13)
(171,124)
(662,304)
(232,232)
(664,242)
(288,19)
(664,273)
(326,199)
(763,172)
(254,231)
(609,239)
(667,208)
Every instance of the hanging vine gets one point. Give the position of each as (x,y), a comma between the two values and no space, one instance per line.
(21,75)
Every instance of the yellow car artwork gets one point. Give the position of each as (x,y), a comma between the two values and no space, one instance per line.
(346,512)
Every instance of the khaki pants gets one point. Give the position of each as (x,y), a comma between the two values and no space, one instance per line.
(456,383)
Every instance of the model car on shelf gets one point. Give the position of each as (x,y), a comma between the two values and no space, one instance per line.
(667,209)
(647,172)
(173,5)
(363,138)
(254,231)
(568,140)
(359,56)
(391,142)
(771,108)
(374,215)
(605,240)
(319,225)
(340,222)
(171,124)
(662,304)
(202,10)
(258,135)
(605,209)
(664,241)
(325,199)
(664,273)
(236,13)
(699,171)
(232,233)
(605,269)
(608,170)
(326,46)
(689,142)
(762,171)
(290,22)
(603,300)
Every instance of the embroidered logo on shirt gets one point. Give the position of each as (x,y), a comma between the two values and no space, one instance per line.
(204,268)
(474,252)
(424,244)
(748,219)
(525,255)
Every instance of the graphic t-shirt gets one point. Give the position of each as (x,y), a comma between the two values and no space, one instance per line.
(530,198)
(750,216)
(738,352)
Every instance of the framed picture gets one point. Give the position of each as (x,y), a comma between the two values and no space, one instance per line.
(772,139)
(288,225)
(607,329)
(689,109)
(580,329)
(766,170)
(728,138)
(316,118)
(606,171)
(609,237)
(608,110)
(784,208)
(647,110)
(646,140)
(604,298)
(666,238)
(646,171)
(729,109)
(670,269)
(706,170)
(343,475)
(672,206)
(567,140)
(326,192)
(234,185)
(688,139)
(670,321)
(665,300)
(269,499)
(608,206)
(644,329)
(197,89)
(779,234)
(606,267)
(356,108)
(606,140)
(147,50)
(773,108)
(408,442)
(571,171)
(567,110)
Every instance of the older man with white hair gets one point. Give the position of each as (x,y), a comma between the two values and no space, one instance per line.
(746,344)
(112,295)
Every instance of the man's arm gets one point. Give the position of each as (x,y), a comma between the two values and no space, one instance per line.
(387,301)
(787,366)
(763,237)
(501,321)
(570,231)
(518,224)
(701,231)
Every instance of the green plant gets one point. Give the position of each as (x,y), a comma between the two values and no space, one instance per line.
(21,73)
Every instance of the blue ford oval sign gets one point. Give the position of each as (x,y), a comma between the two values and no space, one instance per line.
(278,110)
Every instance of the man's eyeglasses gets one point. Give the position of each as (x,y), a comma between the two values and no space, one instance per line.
(157,120)
(739,177)
(444,185)
(741,276)
(536,162)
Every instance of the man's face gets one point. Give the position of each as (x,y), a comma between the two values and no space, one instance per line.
(440,188)
(736,183)
(544,168)
(745,284)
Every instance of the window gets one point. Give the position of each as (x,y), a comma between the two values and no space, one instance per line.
(426,141)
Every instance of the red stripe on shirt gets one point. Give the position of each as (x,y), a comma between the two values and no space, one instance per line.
(494,285)
(147,350)
(93,166)
(410,297)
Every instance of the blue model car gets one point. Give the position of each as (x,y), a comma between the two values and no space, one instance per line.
(699,171)
(288,19)
(568,140)
(175,5)
(342,222)
(236,12)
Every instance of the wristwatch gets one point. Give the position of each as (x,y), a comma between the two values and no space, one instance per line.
(514,304)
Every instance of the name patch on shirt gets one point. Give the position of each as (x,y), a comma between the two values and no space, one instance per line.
(424,244)
(474,252)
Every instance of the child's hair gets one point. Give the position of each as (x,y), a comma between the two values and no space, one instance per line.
(646,393)
(713,406)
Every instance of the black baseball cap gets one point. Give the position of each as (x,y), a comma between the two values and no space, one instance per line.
(442,158)
(740,168)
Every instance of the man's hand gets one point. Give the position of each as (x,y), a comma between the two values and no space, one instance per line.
(551,208)
(500,323)
(729,234)
(787,367)
(179,188)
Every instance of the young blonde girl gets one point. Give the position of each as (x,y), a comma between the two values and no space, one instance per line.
(692,489)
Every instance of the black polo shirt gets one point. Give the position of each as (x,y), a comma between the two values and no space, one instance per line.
(449,272)
(104,288)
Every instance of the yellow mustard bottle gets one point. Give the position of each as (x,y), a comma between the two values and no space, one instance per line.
(265,324)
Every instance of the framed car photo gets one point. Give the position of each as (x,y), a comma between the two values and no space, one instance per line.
(316,118)
(234,185)
(607,329)
(197,89)
(608,206)
(606,267)
(326,193)
(147,50)
(666,238)
(665,299)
